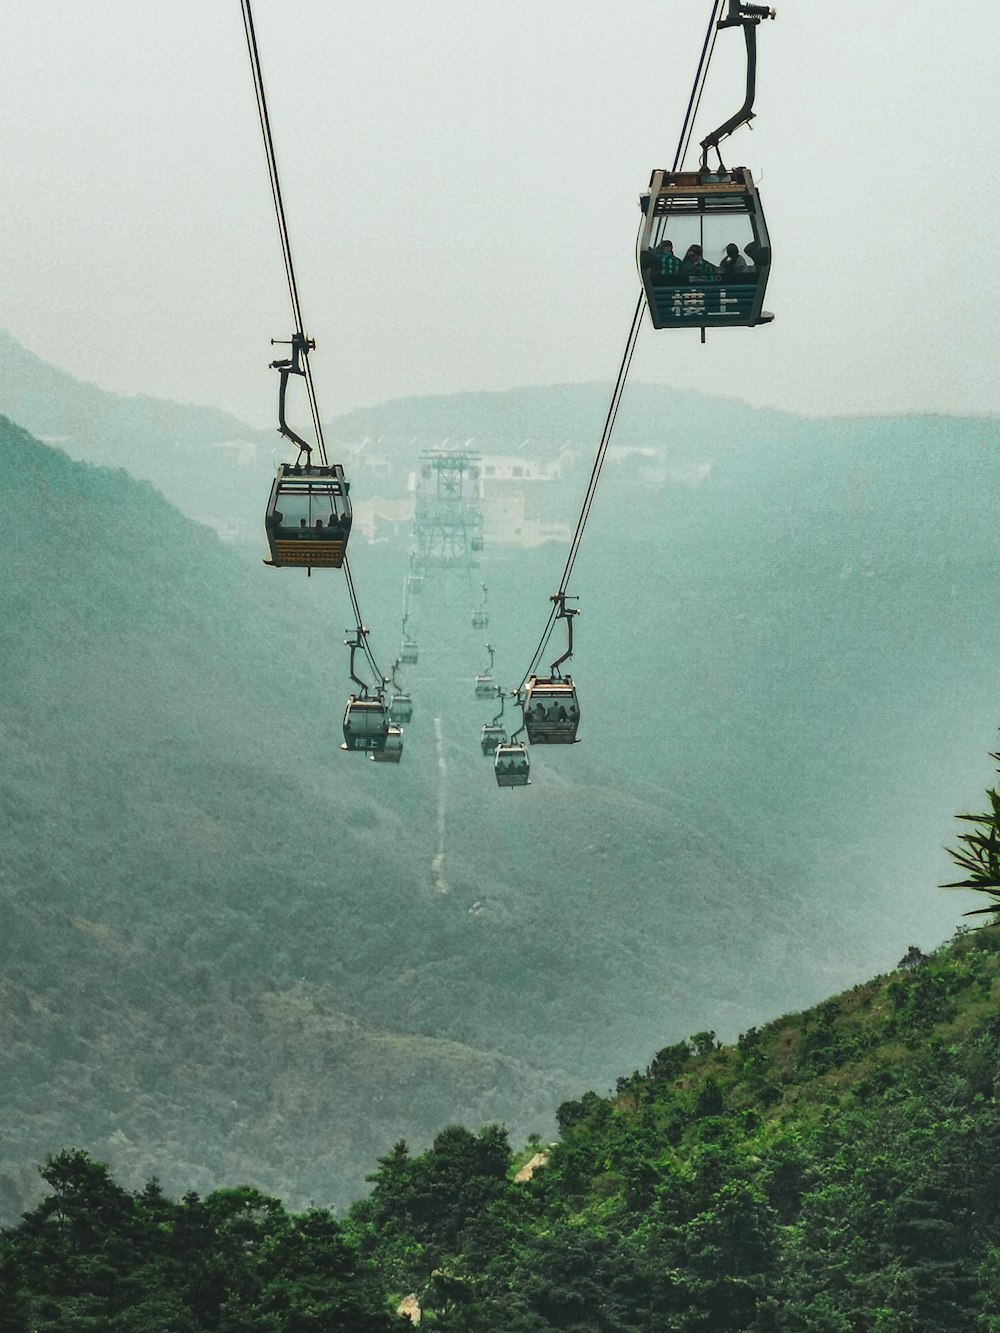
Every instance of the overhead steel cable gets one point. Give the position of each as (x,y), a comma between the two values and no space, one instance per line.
(366,649)
(293,292)
(279,211)
(684,139)
(698,87)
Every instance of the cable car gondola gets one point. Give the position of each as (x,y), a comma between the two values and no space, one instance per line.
(511,765)
(480,616)
(493,734)
(366,723)
(549,703)
(408,652)
(401,707)
(366,717)
(704,252)
(551,710)
(308,516)
(485,684)
(392,751)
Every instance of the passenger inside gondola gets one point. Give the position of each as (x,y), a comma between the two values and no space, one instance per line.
(732,261)
(695,265)
(665,262)
(305,514)
(759,255)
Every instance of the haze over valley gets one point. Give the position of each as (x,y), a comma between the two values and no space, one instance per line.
(233,952)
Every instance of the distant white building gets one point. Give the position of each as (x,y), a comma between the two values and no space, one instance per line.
(520,499)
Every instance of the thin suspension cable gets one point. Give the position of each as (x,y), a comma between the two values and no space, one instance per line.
(595,476)
(279,210)
(602,448)
(684,139)
(293,292)
(698,87)
(365,646)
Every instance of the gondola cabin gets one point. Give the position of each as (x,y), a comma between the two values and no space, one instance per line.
(308,518)
(408,652)
(511,765)
(485,687)
(492,736)
(415,583)
(551,710)
(392,751)
(366,724)
(480,620)
(704,251)
(400,708)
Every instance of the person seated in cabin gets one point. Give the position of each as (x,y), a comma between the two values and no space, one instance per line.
(759,255)
(695,264)
(538,712)
(275,520)
(302,525)
(557,713)
(665,265)
(319,524)
(732,261)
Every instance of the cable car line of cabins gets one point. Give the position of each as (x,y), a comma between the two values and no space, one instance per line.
(704,257)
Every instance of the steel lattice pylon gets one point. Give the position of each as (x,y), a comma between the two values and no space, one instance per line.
(448,520)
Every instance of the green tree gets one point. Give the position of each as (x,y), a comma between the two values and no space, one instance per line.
(979,854)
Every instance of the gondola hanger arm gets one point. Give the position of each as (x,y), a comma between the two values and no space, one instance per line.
(746,17)
(295,365)
(567,613)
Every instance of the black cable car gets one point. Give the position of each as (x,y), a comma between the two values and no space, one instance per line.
(366,723)
(511,765)
(480,616)
(493,734)
(400,707)
(392,751)
(704,252)
(551,710)
(485,684)
(308,516)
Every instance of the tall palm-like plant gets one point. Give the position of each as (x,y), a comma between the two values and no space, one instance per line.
(979,854)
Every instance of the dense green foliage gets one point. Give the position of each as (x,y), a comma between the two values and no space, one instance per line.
(979,853)
(835,1171)
(95,1257)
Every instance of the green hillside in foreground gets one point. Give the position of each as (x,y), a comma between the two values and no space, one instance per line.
(833,1171)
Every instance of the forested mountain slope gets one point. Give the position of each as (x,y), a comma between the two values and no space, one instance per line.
(833,1171)
(223,948)
(179,447)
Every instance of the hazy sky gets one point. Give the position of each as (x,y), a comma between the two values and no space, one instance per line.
(461,182)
